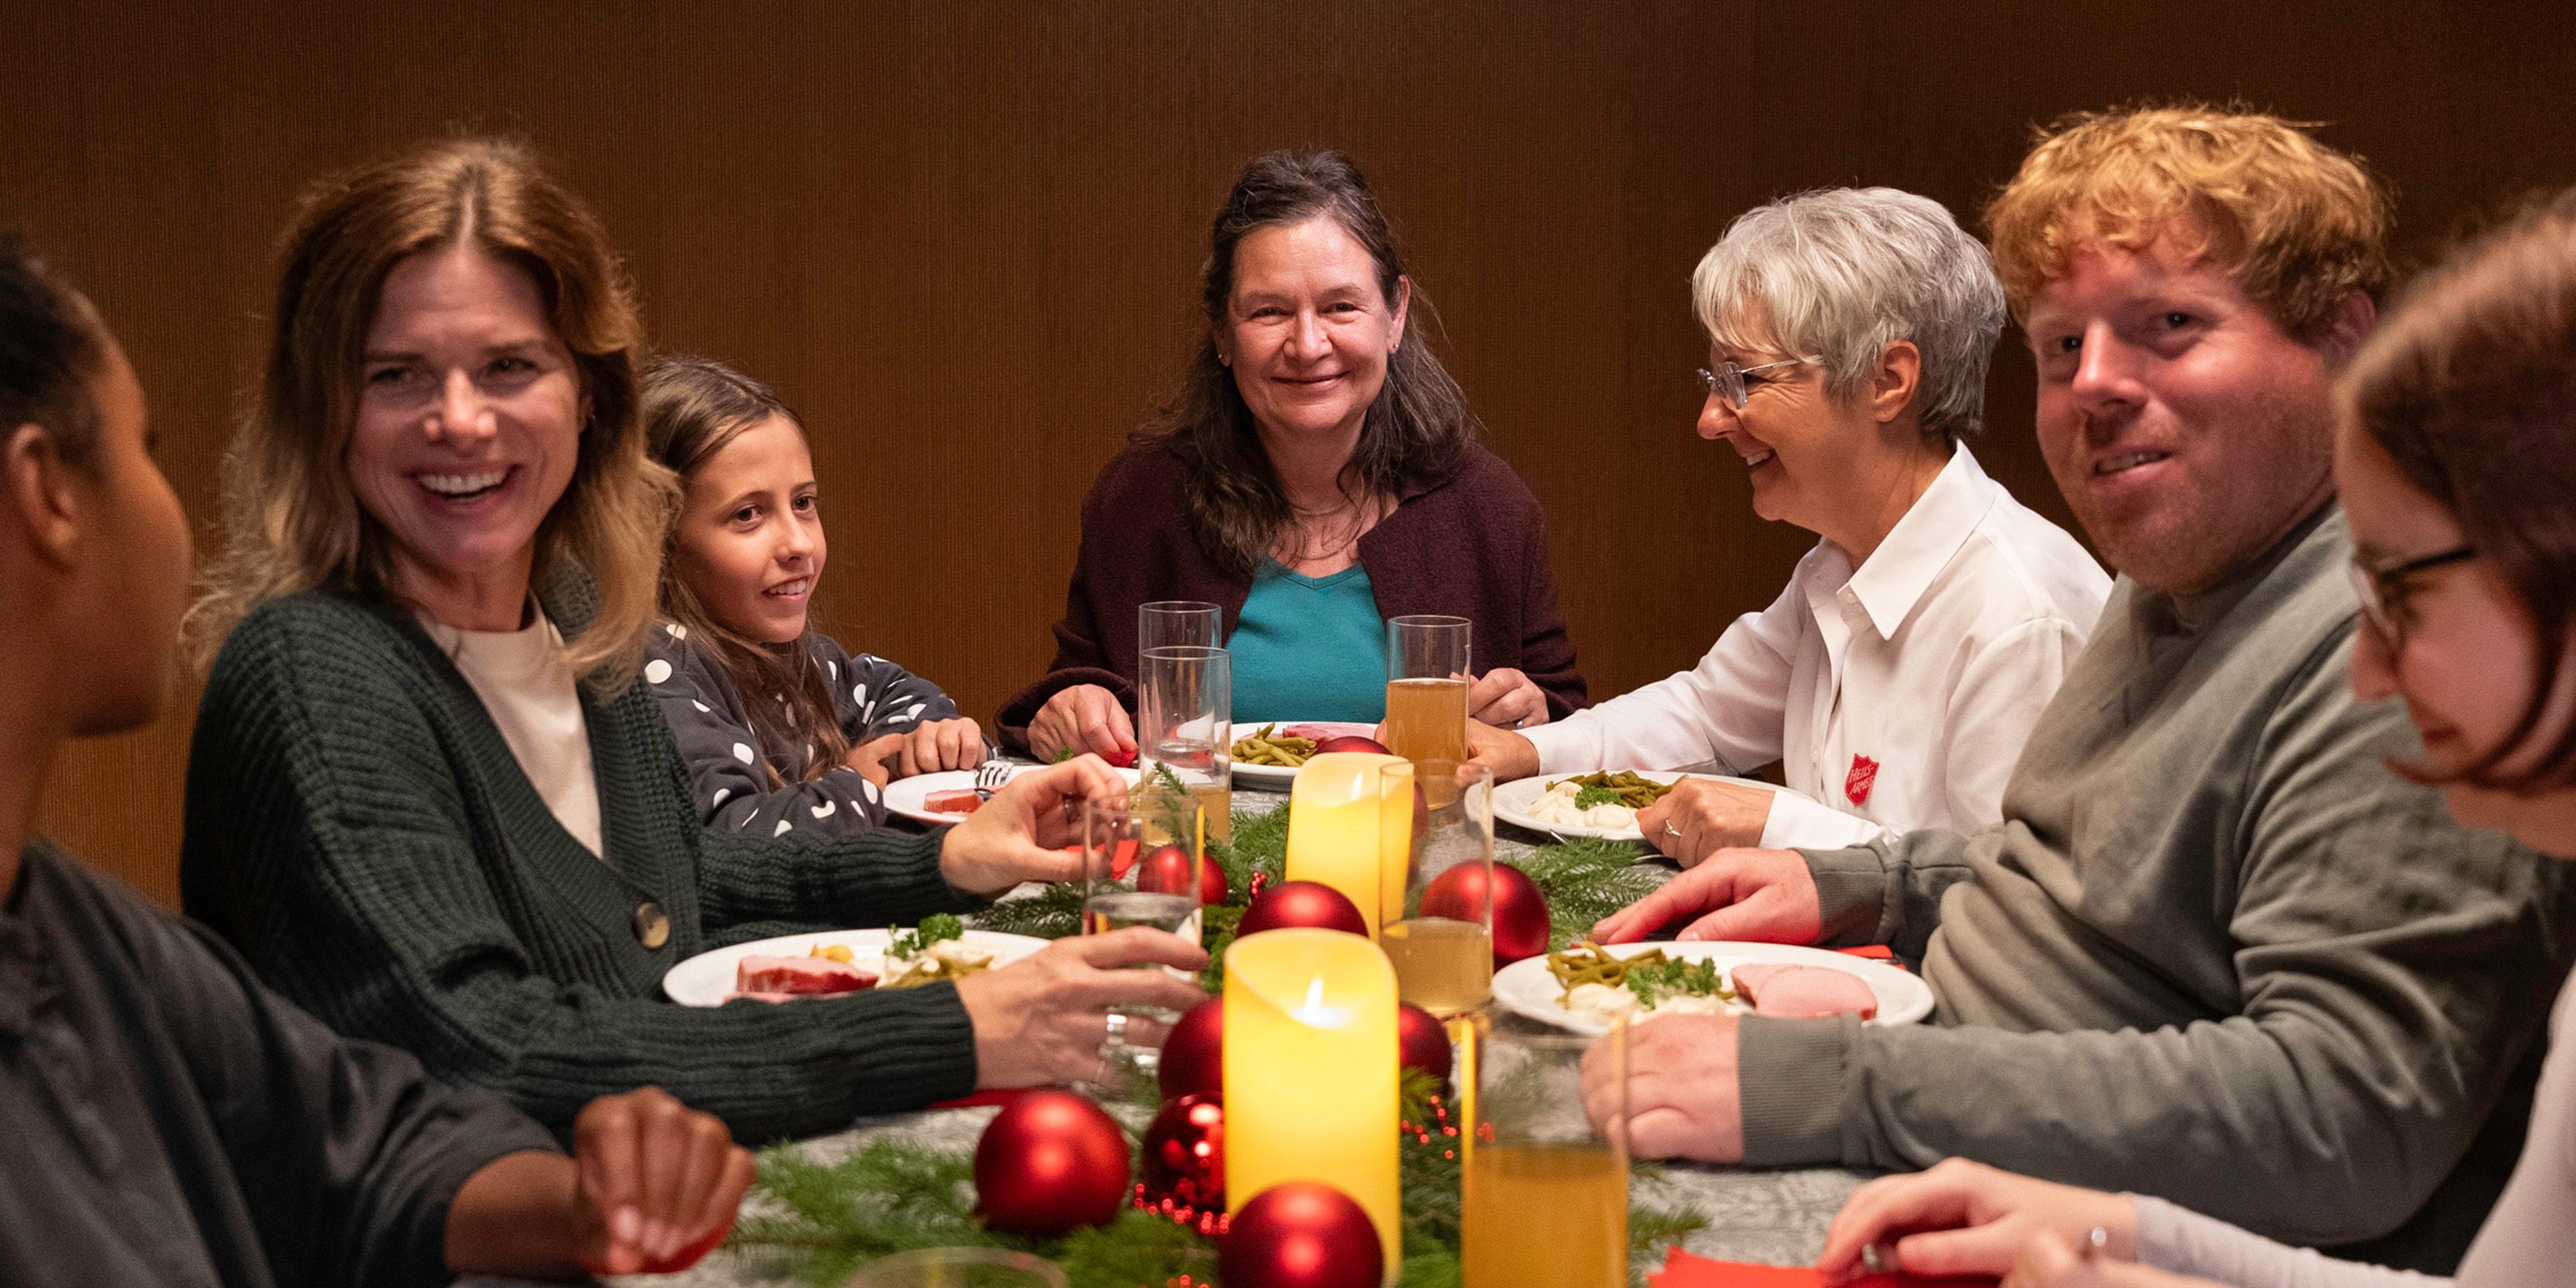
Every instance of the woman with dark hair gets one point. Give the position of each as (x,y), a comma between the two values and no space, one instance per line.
(783,730)
(2454,462)
(425,798)
(1317,473)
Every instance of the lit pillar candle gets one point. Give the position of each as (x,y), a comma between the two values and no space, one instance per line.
(1335,816)
(1310,1071)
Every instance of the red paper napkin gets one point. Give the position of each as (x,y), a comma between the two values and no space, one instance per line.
(1682,1270)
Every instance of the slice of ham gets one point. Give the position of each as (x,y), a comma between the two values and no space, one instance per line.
(957,802)
(798,976)
(1791,992)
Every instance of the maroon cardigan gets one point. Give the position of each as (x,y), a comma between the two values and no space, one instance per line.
(1472,544)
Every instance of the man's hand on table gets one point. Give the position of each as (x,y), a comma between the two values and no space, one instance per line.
(1085,717)
(1683,1098)
(1965,1218)
(1763,895)
(1020,834)
(651,1186)
(1702,816)
(1044,1019)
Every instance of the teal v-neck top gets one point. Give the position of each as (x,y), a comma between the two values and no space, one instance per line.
(1309,648)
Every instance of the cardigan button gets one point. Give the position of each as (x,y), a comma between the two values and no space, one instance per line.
(652,925)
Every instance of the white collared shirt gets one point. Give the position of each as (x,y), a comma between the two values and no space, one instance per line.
(1895,697)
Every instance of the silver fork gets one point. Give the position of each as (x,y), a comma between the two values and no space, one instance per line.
(990,776)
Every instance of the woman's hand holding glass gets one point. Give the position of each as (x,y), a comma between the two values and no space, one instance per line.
(1085,717)
(1021,834)
(1045,1019)
(1965,1218)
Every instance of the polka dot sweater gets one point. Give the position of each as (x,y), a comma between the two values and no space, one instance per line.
(729,762)
(357,825)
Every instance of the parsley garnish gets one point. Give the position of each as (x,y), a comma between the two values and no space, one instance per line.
(1591,796)
(933,929)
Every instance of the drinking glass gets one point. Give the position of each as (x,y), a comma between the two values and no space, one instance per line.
(959,1268)
(1141,867)
(1185,728)
(1426,687)
(1438,864)
(1546,1192)
(1178,623)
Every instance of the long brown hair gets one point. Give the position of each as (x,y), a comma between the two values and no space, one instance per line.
(1415,430)
(692,408)
(2470,386)
(292,517)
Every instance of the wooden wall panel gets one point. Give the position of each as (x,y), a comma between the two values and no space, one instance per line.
(963,236)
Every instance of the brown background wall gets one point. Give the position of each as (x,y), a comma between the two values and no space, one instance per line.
(963,236)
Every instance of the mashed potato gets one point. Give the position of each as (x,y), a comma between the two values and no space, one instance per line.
(1556,805)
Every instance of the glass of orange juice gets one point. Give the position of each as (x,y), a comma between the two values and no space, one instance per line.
(1426,687)
(1546,1192)
(1437,862)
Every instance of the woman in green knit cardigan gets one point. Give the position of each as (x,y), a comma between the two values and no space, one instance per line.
(425,798)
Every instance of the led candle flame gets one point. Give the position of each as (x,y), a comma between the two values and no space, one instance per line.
(1310,1071)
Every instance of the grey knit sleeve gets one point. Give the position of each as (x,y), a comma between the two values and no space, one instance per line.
(730,783)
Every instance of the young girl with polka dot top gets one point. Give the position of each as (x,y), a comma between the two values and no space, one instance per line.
(783,730)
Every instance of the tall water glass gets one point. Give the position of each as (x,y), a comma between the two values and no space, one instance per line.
(1141,867)
(1178,623)
(1426,688)
(1439,928)
(1546,1192)
(1185,728)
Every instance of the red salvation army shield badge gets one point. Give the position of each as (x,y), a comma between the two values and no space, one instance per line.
(1864,772)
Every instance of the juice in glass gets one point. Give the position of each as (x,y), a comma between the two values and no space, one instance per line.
(1545,1216)
(1442,966)
(1427,719)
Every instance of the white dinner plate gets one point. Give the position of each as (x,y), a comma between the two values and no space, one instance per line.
(707,979)
(1512,802)
(1526,988)
(1277,778)
(908,797)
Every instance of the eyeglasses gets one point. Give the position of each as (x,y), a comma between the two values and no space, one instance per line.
(2383,592)
(1726,380)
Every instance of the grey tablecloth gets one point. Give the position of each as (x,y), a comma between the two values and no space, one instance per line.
(1777,1217)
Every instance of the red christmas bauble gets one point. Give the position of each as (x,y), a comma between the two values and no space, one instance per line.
(1300,1234)
(1050,1161)
(1422,1042)
(1193,1061)
(1301,903)
(1520,911)
(1185,1153)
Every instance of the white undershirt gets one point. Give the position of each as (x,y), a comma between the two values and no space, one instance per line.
(534,697)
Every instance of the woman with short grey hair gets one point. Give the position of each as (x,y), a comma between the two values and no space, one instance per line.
(1896,676)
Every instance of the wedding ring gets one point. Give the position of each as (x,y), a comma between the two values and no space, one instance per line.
(2097,1242)
(1114,1030)
(1874,1261)
(1672,831)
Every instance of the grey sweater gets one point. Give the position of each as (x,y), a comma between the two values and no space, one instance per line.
(2215,951)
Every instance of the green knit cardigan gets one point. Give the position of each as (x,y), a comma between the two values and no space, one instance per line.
(358,827)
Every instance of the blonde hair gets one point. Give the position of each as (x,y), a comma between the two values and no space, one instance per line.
(292,518)
(2297,224)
